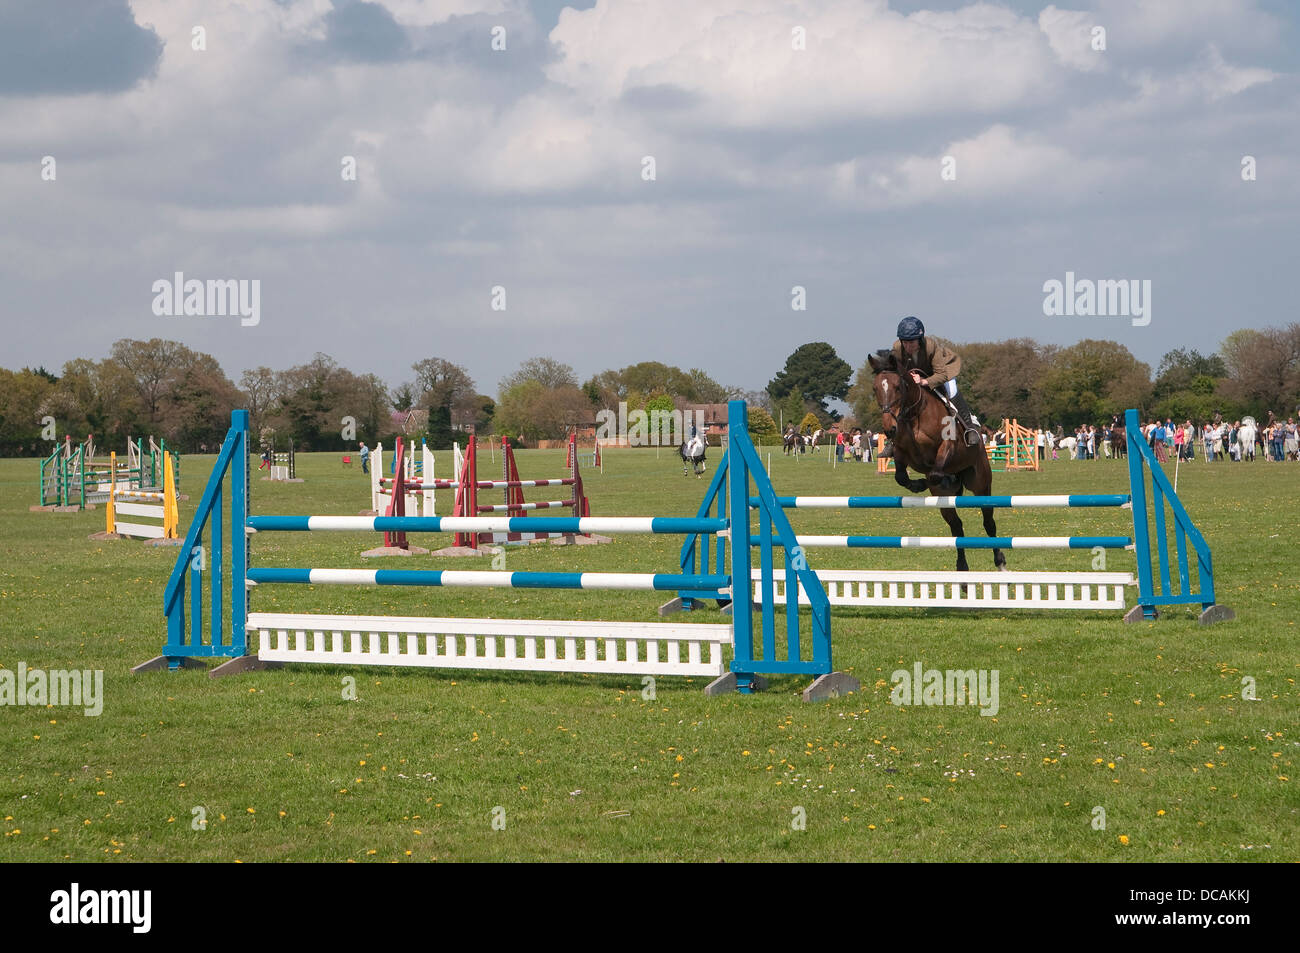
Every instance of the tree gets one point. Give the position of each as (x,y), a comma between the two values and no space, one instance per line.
(21,394)
(862,397)
(260,388)
(1003,379)
(440,383)
(152,367)
(403,397)
(693,387)
(550,373)
(762,428)
(814,372)
(1092,380)
(318,396)
(809,423)
(1263,369)
(707,390)
(1186,386)
(792,410)
(536,412)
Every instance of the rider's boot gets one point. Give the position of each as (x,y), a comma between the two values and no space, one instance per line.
(970,431)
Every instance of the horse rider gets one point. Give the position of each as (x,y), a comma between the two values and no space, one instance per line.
(934,366)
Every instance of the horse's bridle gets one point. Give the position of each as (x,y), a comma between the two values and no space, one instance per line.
(920,399)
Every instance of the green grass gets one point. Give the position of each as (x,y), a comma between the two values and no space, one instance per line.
(1145,721)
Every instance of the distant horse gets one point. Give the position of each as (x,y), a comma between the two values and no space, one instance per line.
(792,442)
(692,453)
(1118,437)
(914,419)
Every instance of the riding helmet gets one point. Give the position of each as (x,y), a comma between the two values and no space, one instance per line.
(910,329)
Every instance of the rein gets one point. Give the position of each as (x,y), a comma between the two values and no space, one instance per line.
(920,399)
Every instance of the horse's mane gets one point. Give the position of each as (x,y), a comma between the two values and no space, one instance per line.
(886,362)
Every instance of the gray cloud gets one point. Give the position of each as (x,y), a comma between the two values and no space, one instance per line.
(365,31)
(73,46)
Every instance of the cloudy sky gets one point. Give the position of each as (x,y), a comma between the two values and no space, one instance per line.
(645,180)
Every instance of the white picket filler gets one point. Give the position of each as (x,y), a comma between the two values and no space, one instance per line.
(983,590)
(623,648)
(419,502)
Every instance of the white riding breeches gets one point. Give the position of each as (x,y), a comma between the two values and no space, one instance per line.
(949,388)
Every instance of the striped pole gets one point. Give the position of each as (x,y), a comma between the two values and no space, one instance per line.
(955,542)
(488,524)
(515,507)
(947,502)
(482,484)
(513,580)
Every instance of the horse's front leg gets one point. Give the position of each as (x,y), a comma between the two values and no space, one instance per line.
(906,482)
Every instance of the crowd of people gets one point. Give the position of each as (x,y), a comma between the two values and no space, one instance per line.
(1238,440)
(1276,441)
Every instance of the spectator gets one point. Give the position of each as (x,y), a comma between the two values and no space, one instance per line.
(365,458)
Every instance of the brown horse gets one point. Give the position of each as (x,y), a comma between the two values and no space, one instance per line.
(929,441)
(1118,437)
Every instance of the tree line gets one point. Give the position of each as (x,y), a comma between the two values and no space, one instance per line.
(165,389)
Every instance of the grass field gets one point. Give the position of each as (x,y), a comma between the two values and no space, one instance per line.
(1146,722)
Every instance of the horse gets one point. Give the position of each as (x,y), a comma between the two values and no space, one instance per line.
(1118,437)
(792,442)
(928,440)
(692,453)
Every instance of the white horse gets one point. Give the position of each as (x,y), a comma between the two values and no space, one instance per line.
(1246,438)
(693,455)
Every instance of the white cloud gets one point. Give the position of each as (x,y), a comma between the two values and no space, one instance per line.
(1069,33)
(996,162)
(1219,78)
(862,59)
